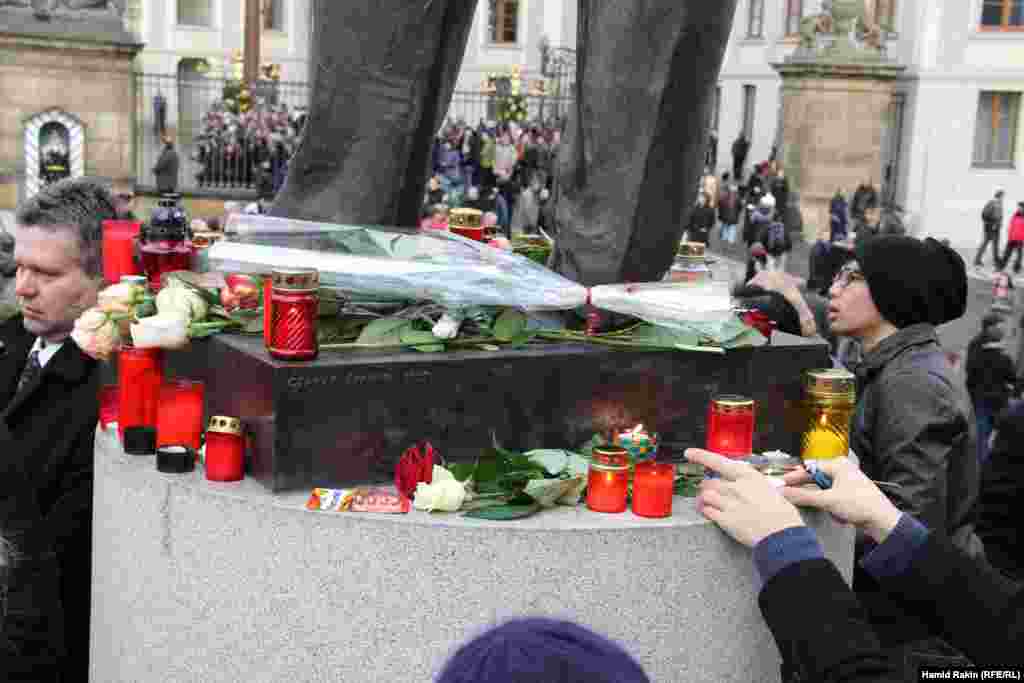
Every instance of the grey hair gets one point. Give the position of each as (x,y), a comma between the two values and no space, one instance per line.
(80,204)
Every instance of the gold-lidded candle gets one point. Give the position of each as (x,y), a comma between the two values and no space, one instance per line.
(829,398)
(730,426)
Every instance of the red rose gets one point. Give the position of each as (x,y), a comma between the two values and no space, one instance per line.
(242,291)
(415,465)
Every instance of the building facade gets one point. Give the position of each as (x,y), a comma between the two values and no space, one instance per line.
(953,137)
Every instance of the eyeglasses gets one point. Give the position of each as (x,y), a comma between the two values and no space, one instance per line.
(847,275)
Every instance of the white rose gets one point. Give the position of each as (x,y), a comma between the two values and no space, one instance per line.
(96,334)
(120,298)
(440,474)
(181,300)
(447,328)
(446,495)
(161,331)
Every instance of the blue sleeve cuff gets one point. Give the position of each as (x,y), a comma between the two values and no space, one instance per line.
(783,548)
(894,555)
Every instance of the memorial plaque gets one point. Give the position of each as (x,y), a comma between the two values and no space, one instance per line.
(345,418)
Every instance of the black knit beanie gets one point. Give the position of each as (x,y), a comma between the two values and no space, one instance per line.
(914,281)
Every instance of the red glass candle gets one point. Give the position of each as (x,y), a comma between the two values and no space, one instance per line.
(109,399)
(653,488)
(268,309)
(608,480)
(731,426)
(179,420)
(140,376)
(225,449)
(295,303)
(159,258)
(119,238)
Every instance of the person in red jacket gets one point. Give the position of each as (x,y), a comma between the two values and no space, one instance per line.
(1015,241)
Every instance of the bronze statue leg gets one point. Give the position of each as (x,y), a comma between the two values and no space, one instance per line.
(633,151)
(383,72)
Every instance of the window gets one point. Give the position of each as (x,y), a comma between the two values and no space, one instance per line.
(195,12)
(794,13)
(273,15)
(995,133)
(504,18)
(749,97)
(1002,15)
(755,19)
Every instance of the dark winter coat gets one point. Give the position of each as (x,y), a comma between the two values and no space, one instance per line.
(729,207)
(780,189)
(968,603)
(166,170)
(760,218)
(47,433)
(1001,501)
(838,218)
(991,376)
(914,426)
(701,221)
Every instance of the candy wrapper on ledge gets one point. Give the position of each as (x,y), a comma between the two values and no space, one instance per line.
(367,499)
(384,263)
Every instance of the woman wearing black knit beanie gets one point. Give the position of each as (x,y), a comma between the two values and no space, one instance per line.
(913,424)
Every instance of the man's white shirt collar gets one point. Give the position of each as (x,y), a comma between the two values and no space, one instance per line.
(47,350)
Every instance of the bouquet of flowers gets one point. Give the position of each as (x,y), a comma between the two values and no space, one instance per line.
(128,314)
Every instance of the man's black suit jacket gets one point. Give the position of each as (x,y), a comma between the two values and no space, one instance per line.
(46,464)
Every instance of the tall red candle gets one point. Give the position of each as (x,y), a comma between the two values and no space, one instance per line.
(179,420)
(109,398)
(731,426)
(225,449)
(119,239)
(140,376)
(653,488)
(608,480)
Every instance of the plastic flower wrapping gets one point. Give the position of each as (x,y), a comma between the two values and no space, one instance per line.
(396,264)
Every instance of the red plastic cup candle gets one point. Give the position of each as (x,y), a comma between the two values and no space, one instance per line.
(225,449)
(653,488)
(731,426)
(109,400)
(119,238)
(179,419)
(140,376)
(608,480)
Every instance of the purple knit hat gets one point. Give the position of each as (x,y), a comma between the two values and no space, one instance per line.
(540,650)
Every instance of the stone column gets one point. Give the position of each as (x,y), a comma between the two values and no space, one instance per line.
(834,117)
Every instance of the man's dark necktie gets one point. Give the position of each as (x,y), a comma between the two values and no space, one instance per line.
(32,370)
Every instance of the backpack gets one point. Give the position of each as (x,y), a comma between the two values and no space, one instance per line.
(990,214)
(775,242)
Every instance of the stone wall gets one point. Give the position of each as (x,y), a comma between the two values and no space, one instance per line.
(92,81)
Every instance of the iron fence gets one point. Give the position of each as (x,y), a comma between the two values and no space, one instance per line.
(228,141)
(228,148)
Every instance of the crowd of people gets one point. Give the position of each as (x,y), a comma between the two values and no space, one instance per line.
(505,169)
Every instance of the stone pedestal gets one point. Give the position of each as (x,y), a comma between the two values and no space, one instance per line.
(198,581)
(835,111)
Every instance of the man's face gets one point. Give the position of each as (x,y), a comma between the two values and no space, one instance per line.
(50,283)
(852,311)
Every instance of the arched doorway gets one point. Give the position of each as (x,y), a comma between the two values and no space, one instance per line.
(54,149)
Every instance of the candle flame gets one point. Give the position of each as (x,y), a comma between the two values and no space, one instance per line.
(638,429)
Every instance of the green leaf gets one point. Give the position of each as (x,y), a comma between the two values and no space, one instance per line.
(414,337)
(429,348)
(383,332)
(547,492)
(504,512)
(554,461)
(522,339)
(577,465)
(462,470)
(509,325)
(487,467)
